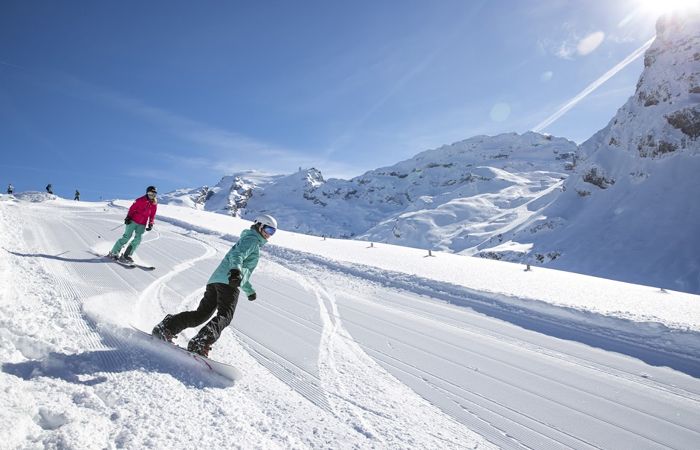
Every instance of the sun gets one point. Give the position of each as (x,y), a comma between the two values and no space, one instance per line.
(658,7)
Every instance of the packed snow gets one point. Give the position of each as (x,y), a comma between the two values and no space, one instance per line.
(350,344)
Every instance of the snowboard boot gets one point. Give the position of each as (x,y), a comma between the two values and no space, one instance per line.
(200,345)
(161,330)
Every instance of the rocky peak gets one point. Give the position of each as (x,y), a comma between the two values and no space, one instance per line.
(665,104)
(661,119)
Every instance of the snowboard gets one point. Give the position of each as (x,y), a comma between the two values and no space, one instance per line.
(225,370)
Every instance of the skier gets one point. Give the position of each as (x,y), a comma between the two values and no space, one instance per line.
(140,218)
(49,188)
(77,195)
(10,189)
(223,288)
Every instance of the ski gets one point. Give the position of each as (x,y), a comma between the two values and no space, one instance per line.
(124,263)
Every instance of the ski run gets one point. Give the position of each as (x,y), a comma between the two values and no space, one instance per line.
(349,345)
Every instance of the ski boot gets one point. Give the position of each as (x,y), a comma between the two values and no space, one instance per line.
(114,256)
(161,331)
(126,257)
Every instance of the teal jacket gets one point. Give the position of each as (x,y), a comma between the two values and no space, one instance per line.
(242,256)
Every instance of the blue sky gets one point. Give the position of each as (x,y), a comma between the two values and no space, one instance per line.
(109,97)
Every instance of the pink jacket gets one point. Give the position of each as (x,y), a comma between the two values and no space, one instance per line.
(143,210)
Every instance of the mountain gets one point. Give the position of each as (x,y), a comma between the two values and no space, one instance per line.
(622,205)
(229,196)
(630,210)
(451,198)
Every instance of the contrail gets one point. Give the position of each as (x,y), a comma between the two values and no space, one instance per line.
(593,86)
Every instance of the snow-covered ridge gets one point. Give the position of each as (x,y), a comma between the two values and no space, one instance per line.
(625,212)
(407,203)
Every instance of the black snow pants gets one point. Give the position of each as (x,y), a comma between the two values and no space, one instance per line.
(218,297)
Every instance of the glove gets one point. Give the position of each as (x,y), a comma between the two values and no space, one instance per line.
(234,278)
(127,221)
(149,227)
(252,296)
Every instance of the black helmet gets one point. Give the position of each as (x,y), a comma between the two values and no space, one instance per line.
(151,189)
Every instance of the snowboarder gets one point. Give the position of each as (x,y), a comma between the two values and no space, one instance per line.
(10,189)
(49,188)
(77,195)
(140,218)
(223,288)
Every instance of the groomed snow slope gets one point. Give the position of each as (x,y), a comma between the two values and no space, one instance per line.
(348,346)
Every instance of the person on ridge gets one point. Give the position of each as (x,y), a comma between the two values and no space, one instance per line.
(221,295)
(140,218)
(49,188)
(77,195)
(10,189)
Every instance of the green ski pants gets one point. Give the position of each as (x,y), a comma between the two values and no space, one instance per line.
(132,228)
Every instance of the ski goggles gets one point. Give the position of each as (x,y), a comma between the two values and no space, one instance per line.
(269,230)
(151,194)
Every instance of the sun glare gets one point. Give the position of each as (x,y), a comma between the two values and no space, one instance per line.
(658,7)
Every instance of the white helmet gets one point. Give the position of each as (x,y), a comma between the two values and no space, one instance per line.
(266,219)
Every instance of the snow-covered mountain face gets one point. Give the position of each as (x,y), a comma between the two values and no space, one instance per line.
(631,211)
(451,198)
(229,196)
(628,209)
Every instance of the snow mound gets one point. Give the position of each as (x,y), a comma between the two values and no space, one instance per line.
(35,196)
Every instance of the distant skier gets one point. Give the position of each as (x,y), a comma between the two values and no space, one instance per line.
(49,188)
(223,288)
(10,189)
(77,195)
(140,218)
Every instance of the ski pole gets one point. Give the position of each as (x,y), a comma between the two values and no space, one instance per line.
(100,236)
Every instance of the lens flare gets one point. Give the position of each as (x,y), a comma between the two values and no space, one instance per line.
(500,112)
